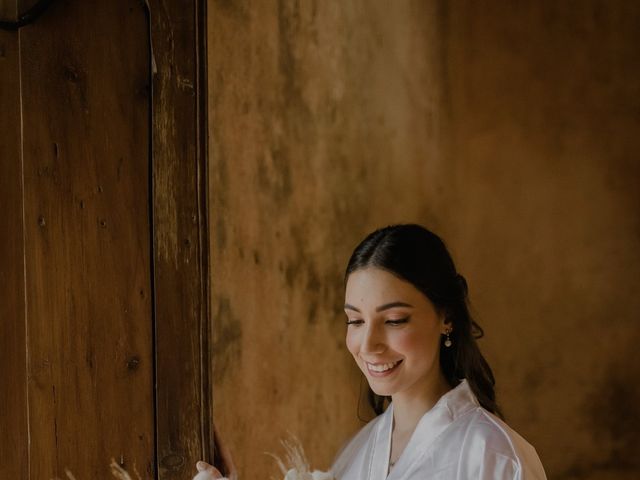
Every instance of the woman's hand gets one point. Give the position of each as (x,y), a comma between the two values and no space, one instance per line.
(207,472)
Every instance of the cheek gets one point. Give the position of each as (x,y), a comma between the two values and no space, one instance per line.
(419,345)
(351,341)
(408,342)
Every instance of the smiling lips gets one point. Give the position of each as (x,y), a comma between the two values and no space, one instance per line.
(382,369)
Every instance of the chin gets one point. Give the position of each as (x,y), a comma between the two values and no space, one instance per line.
(381,390)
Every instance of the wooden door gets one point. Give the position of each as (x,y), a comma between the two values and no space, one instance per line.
(103,308)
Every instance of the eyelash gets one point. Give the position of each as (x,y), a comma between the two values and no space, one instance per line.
(397,322)
(354,322)
(393,323)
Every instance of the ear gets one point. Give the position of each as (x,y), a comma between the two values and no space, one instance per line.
(446,326)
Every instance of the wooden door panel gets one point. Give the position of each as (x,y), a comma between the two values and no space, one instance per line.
(105,323)
(85,78)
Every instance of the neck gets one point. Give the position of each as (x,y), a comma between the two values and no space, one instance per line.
(410,405)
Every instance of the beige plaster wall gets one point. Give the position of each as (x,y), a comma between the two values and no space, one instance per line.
(543,207)
(510,130)
(324,123)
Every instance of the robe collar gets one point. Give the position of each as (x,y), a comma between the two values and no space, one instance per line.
(453,404)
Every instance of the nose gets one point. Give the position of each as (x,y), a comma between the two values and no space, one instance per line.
(373,340)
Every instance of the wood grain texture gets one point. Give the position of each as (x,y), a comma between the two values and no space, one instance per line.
(12,11)
(8,10)
(85,75)
(14,456)
(180,240)
(25,5)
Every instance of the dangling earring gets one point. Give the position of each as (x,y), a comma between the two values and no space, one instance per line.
(447,341)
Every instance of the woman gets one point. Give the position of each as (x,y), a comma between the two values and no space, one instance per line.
(410,332)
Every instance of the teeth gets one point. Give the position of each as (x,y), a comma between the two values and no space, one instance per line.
(382,367)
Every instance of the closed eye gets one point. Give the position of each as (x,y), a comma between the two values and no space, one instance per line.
(355,322)
(395,323)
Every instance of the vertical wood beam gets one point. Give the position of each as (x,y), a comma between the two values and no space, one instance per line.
(180,236)
(13,380)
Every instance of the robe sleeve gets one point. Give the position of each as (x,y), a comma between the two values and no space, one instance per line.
(491,454)
(496,466)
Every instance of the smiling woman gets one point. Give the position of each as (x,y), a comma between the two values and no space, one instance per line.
(409,262)
(410,332)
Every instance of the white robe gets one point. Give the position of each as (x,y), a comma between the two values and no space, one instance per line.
(456,440)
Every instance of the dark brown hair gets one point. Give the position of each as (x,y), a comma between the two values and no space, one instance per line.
(420,257)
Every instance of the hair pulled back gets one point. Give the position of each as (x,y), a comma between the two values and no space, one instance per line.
(420,257)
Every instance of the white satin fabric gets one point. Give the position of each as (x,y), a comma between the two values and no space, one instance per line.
(456,440)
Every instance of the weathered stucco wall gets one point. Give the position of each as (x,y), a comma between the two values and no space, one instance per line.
(543,205)
(323,124)
(510,131)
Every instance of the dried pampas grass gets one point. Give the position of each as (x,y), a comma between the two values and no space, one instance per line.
(295,465)
(120,473)
(116,470)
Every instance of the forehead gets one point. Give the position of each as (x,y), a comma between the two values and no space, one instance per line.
(373,286)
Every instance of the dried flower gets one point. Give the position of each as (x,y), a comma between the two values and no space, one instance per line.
(119,472)
(295,465)
(116,470)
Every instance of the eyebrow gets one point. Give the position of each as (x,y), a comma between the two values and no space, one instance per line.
(386,306)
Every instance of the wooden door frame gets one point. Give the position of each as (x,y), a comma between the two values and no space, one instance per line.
(180,236)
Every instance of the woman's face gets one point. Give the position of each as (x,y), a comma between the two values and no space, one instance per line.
(393,332)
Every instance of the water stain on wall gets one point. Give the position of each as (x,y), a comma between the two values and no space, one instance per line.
(613,411)
(305,105)
(227,338)
(330,120)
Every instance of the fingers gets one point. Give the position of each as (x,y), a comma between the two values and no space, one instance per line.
(207,472)
(203,466)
